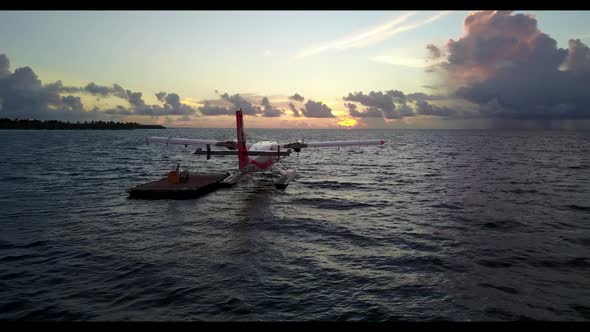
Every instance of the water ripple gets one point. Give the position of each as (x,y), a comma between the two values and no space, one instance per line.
(435,225)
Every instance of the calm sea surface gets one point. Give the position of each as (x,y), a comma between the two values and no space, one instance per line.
(453,225)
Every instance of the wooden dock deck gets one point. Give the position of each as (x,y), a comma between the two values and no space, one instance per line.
(197,185)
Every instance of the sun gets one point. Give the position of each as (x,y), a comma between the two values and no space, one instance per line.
(347,123)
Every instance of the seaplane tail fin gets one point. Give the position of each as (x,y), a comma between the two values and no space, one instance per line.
(242,148)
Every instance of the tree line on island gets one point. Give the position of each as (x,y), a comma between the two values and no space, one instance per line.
(55,124)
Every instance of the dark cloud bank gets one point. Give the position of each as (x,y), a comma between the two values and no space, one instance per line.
(505,66)
(511,69)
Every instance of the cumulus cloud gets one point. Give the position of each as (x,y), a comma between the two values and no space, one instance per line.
(578,57)
(511,69)
(294,110)
(297,97)
(378,103)
(268,110)
(72,104)
(95,89)
(371,112)
(405,110)
(22,95)
(213,110)
(313,109)
(58,85)
(171,104)
(394,104)
(497,39)
(238,101)
(434,51)
(378,100)
(161,95)
(4,65)
(398,96)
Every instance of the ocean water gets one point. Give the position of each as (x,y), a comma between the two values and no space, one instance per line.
(435,225)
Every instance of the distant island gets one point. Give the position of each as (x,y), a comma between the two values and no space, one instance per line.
(54,124)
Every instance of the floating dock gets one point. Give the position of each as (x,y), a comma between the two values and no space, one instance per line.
(196,185)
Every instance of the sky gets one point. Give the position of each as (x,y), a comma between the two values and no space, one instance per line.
(299,69)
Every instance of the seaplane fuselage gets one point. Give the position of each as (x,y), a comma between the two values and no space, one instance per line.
(261,163)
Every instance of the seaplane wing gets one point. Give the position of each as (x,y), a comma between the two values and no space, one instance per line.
(299,145)
(232,145)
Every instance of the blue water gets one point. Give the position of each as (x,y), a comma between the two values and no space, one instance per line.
(453,225)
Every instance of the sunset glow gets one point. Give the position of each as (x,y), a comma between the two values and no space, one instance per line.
(347,123)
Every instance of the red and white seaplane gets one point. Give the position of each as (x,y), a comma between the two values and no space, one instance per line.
(258,157)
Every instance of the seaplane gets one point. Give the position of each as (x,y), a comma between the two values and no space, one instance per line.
(258,157)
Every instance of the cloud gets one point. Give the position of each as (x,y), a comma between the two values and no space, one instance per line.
(373,35)
(379,100)
(424,108)
(135,99)
(213,110)
(98,90)
(161,96)
(4,66)
(398,96)
(294,110)
(435,52)
(509,68)
(262,108)
(22,95)
(493,40)
(118,91)
(268,110)
(405,110)
(401,61)
(393,104)
(578,57)
(171,101)
(72,104)
(297,97)
(315,109)
(65,89)
(119,110)
(238,101)
(418,96)
(371,112)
